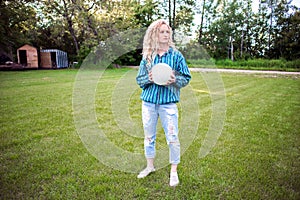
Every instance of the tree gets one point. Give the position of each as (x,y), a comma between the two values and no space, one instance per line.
(17,19)
(201,23)
(286,43)
(180,14)
(228,29)
(225,36)
(259,28)
(146,12)
(208,12)
(63,9)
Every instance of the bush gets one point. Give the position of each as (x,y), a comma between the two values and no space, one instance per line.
(201,62)
(263,64)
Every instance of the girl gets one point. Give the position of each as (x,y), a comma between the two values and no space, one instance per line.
(160,100)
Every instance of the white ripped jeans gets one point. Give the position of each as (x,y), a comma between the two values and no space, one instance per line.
(168,114)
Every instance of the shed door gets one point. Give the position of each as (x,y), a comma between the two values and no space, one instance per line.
(53,59)
(23,57)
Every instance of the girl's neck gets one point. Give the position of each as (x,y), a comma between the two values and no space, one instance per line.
(163,46)
(162,49)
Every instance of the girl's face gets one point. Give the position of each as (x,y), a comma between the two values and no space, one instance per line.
(163,34)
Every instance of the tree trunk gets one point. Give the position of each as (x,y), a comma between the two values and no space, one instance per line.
(81,8)
(231,48)
(174,16)
(201,23)
(72,32)
(170,16)
(70,25)
(242,43)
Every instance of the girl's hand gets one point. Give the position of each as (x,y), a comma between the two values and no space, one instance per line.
(172,79)
(150,76)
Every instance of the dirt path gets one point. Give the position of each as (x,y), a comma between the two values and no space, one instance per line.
(235,71)
(243,71)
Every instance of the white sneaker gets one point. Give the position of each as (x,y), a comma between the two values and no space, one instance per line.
(146,172)
(174,180)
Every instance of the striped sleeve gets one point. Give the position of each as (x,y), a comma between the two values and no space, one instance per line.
(182,72)
(142,78)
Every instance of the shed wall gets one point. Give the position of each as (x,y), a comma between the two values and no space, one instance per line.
(46,60)
(60,61)
(31,56)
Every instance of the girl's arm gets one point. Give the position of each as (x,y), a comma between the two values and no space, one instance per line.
(143,78)
(182,73)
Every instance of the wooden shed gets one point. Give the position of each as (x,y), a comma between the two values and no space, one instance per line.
(53,58)
(28,56)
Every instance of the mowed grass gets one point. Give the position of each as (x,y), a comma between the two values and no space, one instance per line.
(257,155)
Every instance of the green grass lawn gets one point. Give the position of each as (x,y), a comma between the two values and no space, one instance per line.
(257,155)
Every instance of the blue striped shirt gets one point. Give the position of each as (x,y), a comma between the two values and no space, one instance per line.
(159,94)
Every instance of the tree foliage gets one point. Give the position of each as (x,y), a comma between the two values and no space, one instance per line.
(17,21)
(232,30)
(228,28)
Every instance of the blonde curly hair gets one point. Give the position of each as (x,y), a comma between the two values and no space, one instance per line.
(151,43)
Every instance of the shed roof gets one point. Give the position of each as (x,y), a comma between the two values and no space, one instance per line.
(27,46)
(51,50)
